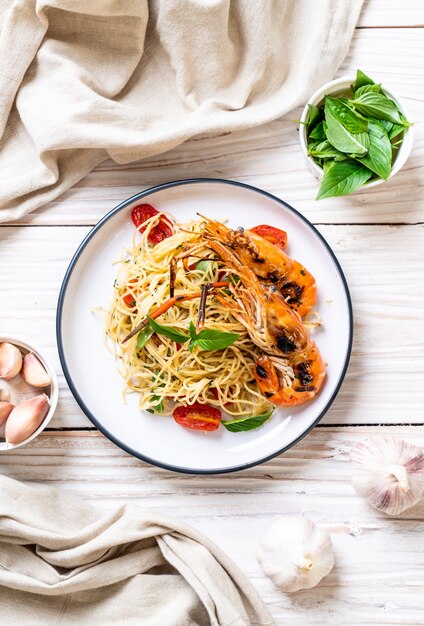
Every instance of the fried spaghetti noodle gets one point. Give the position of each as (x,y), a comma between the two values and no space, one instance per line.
(163,372)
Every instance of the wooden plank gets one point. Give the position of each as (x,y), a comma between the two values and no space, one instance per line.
(383,266)
(378,575)
(391,13)
(269,156)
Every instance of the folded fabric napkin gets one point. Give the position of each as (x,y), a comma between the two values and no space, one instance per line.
(127,79)
(63,563)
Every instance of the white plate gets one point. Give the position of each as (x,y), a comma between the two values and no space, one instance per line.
(91,370)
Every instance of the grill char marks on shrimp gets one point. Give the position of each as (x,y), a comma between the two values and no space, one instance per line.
(270,264)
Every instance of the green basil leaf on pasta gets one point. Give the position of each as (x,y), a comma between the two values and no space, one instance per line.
(343,178)
(168,331)
(247,423)
(206,265)
(156,408)
(210,339)
(343,113)
(144,336)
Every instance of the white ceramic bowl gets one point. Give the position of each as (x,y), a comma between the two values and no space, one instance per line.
(20,391)
(336,88)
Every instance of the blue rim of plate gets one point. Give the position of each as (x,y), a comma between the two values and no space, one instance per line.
(68,377)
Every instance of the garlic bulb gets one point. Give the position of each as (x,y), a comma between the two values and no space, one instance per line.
(5,410)
(389,473)
(33,372)
(295,554)
(10,361)
(26,417)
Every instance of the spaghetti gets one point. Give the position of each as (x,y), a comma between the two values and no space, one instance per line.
(163,371)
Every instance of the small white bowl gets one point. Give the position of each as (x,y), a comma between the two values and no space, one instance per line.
(19,390)
(336,88)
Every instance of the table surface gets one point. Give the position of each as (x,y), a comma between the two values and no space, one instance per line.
(378,236)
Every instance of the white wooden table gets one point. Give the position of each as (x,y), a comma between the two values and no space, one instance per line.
(378,237)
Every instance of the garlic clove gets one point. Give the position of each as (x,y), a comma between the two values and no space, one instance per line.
(5,410)
(10,360)
(33,372)
(26,417)
(388,473)
(295,554)
(4,391)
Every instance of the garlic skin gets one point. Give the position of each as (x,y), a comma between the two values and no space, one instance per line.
(25,418)
(5,410)
(33,371)
(388,473)
(10,361)
(295,554)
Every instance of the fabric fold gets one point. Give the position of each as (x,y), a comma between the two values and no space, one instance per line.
(62,561)
(84,81)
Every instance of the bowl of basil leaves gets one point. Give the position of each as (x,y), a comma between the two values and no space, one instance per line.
(353,134)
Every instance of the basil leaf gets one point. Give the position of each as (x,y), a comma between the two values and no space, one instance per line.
(385,124)
(345,115)
(144,336)
(327,165)
(318,132)
(159,406)
(156,408)
(396,130)
(361,80)
(315,115)
(342,139)
(215,339)
(343,178)
(247,423)
(233,279)
(379,156)
(325,150)
(192,330)
(209,339)
(367,89)
(167,331)
(206,265)
(377,105)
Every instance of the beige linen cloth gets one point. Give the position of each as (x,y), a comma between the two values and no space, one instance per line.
(63,563)
(84,80)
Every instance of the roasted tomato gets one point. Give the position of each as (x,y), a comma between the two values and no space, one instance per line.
(273,235)
(141,213)
(198,416)
(129,301)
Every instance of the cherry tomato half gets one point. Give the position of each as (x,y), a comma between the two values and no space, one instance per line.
(141,213)
(273,235)
(198,416)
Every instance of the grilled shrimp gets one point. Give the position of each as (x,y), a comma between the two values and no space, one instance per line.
(309,373)
(270,264)
(272,322)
